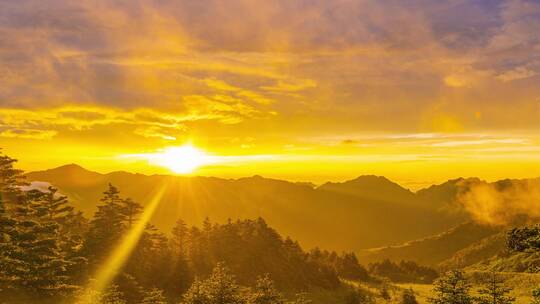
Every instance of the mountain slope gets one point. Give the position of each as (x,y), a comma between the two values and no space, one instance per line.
(342,221)
(435,249)
(477,252)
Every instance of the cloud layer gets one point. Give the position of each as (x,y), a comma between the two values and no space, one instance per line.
(240,72)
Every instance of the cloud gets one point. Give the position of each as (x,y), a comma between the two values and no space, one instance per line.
(516,74)
(27,133)
(47,123)
(501,203)
(426,67)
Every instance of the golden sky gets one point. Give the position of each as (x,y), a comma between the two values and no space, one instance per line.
(419,91)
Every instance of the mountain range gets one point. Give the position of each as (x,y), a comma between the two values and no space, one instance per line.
(366,212)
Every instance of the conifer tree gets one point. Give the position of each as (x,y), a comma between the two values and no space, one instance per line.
(494,292)
(7,226)
(154,296)
(179,238)
(408,297)
(106,227)
(57,209)
(130,210)
(41,266)
(111,214)
(452,288)
(219,288)
(56,206)
(264,292)
(11,181)
(196,294)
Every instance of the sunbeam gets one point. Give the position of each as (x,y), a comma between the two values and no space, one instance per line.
(119,256)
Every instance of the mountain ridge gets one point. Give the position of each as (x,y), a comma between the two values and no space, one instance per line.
(366,212)
(342,220)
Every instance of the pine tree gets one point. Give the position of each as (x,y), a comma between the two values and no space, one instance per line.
(180,237)
(111,213)
(219,288)
(494,292)
(453,288)
(130,287)
(11,181)
(196,294)
(130,210)
(179,275)
(264,292)
(7,226)
(154,296)
(106,227)
(56,206)
(408,297)
(41,265)
(57,209)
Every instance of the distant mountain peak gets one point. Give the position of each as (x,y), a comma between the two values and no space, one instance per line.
(65,174)
(71,167)
(372,179)
(371,186)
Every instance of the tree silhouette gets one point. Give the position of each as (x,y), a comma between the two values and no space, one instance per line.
(452,288)
(408,297)
(494,292)
(265,292)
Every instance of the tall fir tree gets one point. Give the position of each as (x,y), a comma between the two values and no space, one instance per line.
(31,256)
(11,181)
(180,237)
(56,206)
(493,291)
(130,210)
(196,294)
(265,292)
(7,226)
(219,288)
(452,288)
(41,266)
(106,227)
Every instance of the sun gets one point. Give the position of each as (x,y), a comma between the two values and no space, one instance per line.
(183,160)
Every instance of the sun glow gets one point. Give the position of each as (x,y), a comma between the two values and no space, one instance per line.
(184,159)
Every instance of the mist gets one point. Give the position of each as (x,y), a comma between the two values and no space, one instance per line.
(501,203)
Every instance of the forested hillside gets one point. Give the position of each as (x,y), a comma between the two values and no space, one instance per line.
(294,209)
(51,253)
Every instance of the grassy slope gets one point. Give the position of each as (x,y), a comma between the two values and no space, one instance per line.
(522,285)
(432,250)
(513,262)
(480,251)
